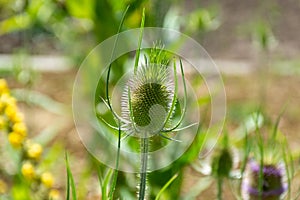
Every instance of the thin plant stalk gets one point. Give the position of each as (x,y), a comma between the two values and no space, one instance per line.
(70,181)
(220,184)
(261,152)
(115,173)
(166,186)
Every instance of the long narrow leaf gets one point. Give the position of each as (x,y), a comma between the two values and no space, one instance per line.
(166,186)
(137,56)
(105,184)
(109,68)
(70,181)
(115,175)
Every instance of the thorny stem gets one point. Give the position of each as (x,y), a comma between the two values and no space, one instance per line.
(144,163)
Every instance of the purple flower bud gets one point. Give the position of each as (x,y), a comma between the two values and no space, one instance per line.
(273,186)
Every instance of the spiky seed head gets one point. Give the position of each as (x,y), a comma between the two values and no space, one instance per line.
(151,93)
(145,97)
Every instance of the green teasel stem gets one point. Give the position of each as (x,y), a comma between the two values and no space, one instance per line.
(220,184)
(144,145)
(144,164)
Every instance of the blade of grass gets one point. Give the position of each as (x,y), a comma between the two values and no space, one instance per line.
(99,173)
(275,130)
(137,56)
(106,181)
(289,171)
(116,172)
(70,181)
(166,186)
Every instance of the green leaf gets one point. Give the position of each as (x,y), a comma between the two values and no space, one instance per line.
(106,181)
(137,56)
(70,181)
(166,186)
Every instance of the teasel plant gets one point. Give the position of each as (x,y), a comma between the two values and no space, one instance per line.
(220,165)
(148,104)
(268,166)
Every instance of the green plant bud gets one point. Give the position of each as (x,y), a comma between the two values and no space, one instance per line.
(222,163)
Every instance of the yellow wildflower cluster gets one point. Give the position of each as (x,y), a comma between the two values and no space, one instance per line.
(11,119)
(11,122)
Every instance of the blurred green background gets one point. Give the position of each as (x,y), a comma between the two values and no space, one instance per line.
(43,42)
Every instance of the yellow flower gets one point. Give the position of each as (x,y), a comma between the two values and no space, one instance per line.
(3,86)
(17,117)
(20,128)
(54,194)
(28,170)
(11,111)
(3,186)
(8,100)
(4,98)
(34,150)
(47,179)
(15,139)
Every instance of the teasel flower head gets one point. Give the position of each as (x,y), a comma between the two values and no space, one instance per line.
(273,181)
(147,98)
(223,159)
